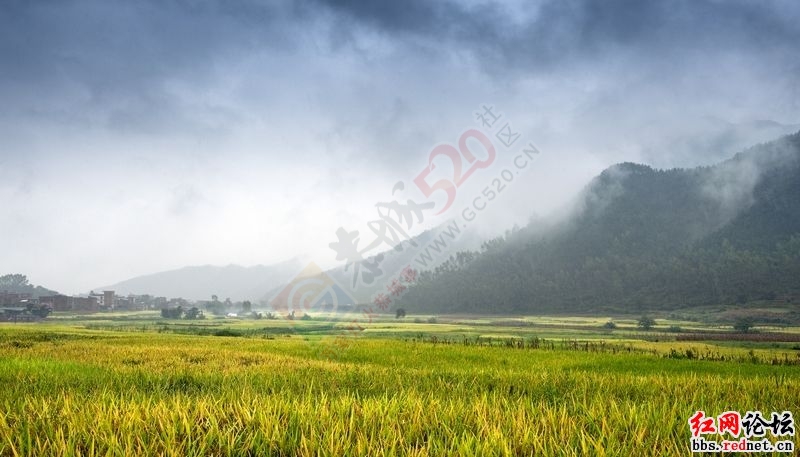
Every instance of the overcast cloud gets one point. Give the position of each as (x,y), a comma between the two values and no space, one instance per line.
(142,136)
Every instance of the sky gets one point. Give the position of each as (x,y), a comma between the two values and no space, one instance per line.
(142,136)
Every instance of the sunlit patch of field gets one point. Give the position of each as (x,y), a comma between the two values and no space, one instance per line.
(397,388)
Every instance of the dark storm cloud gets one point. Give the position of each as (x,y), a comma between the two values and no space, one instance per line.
(539,36)
(114,58)
(631,74)
(111,42)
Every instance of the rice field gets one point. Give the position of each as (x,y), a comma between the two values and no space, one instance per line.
(69,388)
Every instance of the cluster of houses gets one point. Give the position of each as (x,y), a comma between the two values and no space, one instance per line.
(11,303)
(22,307)
(17,307)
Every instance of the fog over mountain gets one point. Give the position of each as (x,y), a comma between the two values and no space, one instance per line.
(639,238)
(138,137)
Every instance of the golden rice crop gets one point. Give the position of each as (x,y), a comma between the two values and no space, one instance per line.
(101,393)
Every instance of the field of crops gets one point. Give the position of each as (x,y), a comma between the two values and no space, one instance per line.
(76,389)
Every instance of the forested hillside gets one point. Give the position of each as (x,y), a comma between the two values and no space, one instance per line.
(642,239)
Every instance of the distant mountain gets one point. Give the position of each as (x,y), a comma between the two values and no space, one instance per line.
(641,239)
(432,247)
(201,282)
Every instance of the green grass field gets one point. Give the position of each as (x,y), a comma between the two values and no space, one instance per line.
(133,384)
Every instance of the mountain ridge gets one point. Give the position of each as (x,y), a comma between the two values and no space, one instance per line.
(200,282)
(642,238)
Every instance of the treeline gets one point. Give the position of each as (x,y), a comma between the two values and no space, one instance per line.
(512,283)
(19,284)
(179,312)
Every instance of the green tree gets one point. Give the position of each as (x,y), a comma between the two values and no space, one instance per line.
(172,313)
(744,324)
(215,307)
(646,323)
(13,281)
(41,311)
(194,313)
